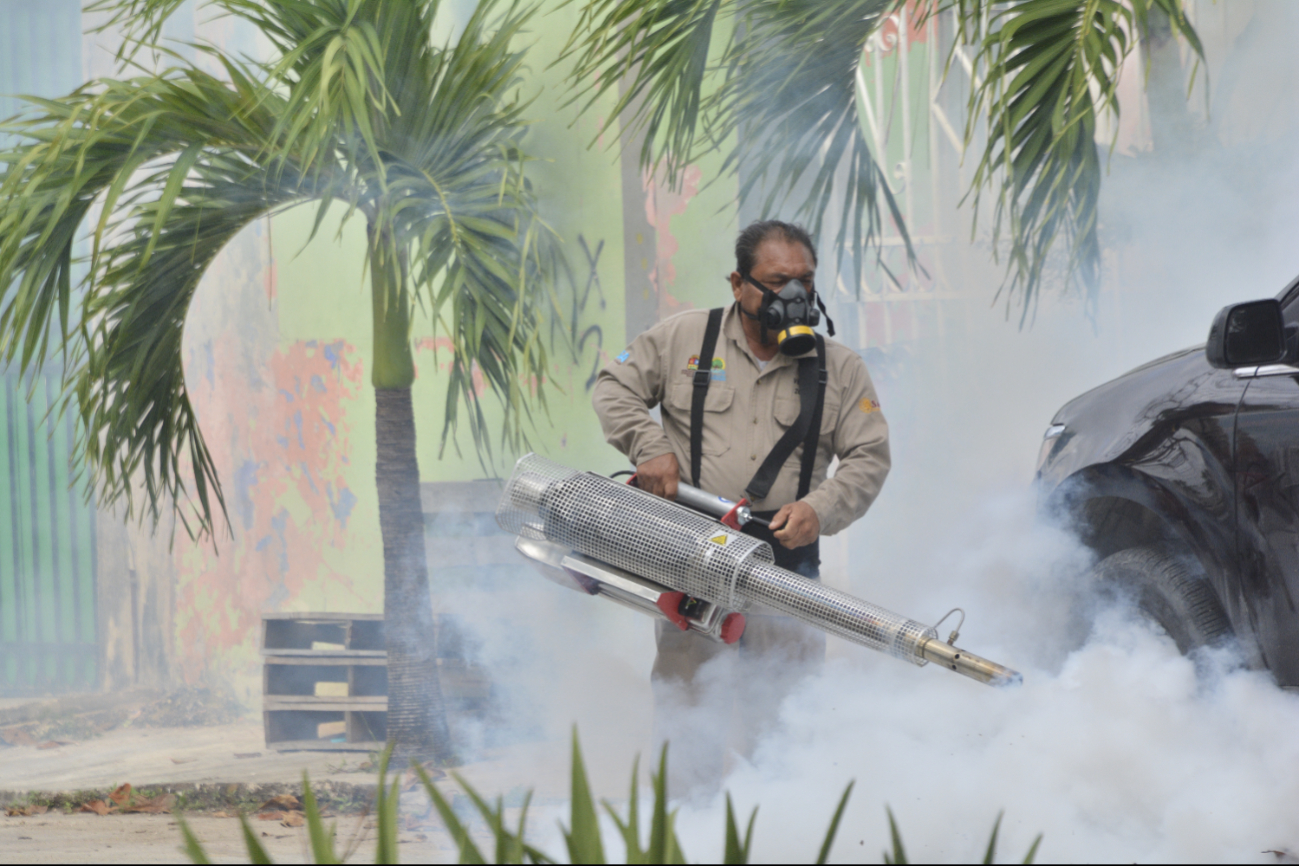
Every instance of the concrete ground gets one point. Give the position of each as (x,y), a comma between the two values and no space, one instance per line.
(87,838)
(180,760)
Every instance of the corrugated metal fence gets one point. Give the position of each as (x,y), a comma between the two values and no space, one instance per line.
(48,634)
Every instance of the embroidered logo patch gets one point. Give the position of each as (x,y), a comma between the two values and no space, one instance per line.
(719,368)
(626,353)
(868,405)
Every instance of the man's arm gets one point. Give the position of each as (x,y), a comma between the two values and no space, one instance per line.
(626,389)
(861,442)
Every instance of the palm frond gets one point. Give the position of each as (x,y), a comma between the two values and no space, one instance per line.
(172,160)
(360,107)
(458,193)
(1050,67)
(779,100)
(658,52)
(790,97)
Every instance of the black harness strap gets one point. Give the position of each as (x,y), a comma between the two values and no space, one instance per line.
(812,442)
(799,431)
(703,375)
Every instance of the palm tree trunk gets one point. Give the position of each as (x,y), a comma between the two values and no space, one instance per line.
(417,723)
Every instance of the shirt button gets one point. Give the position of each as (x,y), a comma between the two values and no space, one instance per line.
(755,420)
(753,456)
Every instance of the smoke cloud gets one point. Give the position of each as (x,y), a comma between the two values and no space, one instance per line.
(1116,748)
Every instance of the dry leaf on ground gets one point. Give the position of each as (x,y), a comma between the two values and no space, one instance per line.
(270,816)
(183,760)
(54,744)
(99,807)
(293,819)
(281,803)
(151,805)
(122,795)
(25,811)
(222,815)
(17,737)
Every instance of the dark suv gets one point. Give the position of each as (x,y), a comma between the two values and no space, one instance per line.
(1183,476)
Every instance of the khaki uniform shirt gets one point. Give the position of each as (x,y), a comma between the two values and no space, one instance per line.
(746,411)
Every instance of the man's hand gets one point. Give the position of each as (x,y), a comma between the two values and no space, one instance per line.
(796,525)
(660,475)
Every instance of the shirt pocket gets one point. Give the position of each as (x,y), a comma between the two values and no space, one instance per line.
(788,408)
(720,398)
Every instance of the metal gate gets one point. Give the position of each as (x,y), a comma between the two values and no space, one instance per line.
(912,115)
(48,634)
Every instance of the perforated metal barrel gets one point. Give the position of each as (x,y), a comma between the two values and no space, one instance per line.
(688,552)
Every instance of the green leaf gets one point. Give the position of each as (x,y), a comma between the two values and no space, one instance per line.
(834,825)
(674,854)
(322,838)
(386,811)
(899,855)
(990,856)
(469,852)
(583,835)
(630,829)
(737,851)
(734,850)
(1047,69)
(660,827)
(193,848)
(256,853)
(1032,851)
(748,833)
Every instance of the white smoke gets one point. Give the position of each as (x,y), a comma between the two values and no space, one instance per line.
(1116,748)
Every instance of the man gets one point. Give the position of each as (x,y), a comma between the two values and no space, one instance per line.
(737,445)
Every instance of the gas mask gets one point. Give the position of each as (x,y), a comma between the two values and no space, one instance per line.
(789,313)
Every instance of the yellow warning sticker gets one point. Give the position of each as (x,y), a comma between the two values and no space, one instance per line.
(720,540)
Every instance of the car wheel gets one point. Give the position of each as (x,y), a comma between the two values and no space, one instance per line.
(1171,591)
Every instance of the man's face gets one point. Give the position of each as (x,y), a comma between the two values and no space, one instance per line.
(776,262)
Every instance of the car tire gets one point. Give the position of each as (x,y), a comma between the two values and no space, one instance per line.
(1171,591)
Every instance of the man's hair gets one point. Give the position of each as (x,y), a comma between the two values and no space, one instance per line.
(746,245)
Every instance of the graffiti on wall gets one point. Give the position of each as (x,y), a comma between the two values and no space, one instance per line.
(573,307)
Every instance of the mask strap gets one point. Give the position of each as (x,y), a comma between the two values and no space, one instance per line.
(829,322)
(767,295)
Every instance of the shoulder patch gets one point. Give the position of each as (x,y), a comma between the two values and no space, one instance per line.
(626,353)
(867,405)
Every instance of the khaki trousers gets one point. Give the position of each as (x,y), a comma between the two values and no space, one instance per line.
(711,699)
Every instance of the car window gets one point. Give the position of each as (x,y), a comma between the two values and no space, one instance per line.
(1290,303)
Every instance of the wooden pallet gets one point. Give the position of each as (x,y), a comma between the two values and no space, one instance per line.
(325,680)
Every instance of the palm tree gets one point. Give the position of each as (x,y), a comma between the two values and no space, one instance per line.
(359,109)
(779,101)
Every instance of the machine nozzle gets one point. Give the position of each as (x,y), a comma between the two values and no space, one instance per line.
(968,664)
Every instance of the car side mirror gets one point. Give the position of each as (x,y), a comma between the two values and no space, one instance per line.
(1246,335)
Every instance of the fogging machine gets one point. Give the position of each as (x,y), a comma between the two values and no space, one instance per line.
(688,562)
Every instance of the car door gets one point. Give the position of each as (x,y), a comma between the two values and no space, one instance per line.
(1267,506)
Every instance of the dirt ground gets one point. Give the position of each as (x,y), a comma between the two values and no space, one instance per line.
(196,768)
(210,773)
(88,838)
